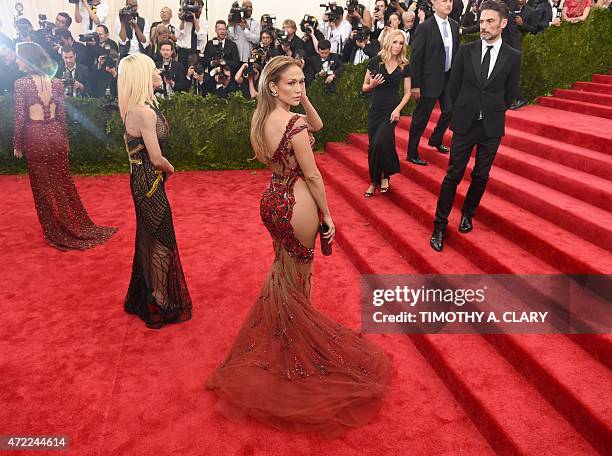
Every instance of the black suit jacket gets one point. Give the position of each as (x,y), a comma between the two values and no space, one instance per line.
(81,74)
(469,94)
(427,60)
(230,54)
(314,64)
(176,68)
(350,50)
(531,18)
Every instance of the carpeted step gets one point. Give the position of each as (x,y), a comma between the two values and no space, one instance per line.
(545,212)
(570,127)
(562,104)
(405,234)
(587,97)
(491,253)
(590,189)
(593,87)
(602,78)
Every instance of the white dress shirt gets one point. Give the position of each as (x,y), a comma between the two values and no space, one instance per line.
(183,37)
(494,53)
(449,41)
(102,11)
(245,39)
(337,37)
(134,48)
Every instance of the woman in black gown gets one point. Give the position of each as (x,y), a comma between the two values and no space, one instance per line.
(158,293)
(384,74)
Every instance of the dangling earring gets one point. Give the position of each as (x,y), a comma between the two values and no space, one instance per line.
(274,94)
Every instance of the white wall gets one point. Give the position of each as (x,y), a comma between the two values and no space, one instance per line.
(217,9)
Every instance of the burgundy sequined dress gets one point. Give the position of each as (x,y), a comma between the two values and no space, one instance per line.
(291,366)
(158,292)
(44,143)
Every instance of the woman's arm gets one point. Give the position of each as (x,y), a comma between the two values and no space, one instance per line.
(585,14)
(252,89)
(395,115)
(238,78)
(20,114)
(369,82)
(147,120)
(312,116)
(312,176)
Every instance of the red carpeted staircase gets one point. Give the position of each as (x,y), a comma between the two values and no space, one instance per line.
(547,210)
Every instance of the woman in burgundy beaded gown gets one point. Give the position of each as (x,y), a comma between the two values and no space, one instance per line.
(41,135)
(291,366)
(158,292)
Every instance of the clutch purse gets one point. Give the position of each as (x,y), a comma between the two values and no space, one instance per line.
(326,247)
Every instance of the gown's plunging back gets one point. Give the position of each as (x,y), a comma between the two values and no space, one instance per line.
(291,366)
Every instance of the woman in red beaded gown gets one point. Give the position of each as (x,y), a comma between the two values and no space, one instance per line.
(158,292)
(41,135)
(291,366)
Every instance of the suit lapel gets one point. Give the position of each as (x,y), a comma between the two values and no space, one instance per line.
(476,56)
(499,63)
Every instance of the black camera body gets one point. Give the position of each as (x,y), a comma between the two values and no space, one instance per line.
(190,10)
(267,22)
(283,38)
(309,22)
(353,5)
(260,54)
(92,38)
(250,69)
(361,33)
(333,11)
(127,13)
(110,58)
(237,13)
(68,81)
(167,72)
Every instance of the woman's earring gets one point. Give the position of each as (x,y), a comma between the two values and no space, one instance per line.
(274,94)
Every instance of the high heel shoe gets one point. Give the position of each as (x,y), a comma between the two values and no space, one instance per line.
(387,188)
(368,194)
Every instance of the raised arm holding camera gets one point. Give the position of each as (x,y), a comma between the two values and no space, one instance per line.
(359,48)
(326,65)
(191,35)
(243,29)
(75,76)
(357,13)
(172,71)
(133,30)
(334,27)
(221,48)
(90,13)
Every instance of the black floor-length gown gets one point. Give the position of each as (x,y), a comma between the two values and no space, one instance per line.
(158,292)
(382,155)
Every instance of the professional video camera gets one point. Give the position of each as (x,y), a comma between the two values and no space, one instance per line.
(127,13)
(250,69)
(333,11)
(309,24)
(110,58)
(267,22)
(89,38)
(361,33)
(190,10)
(283,37)
(46,31)
(353,5)
(236,13)
(217,51)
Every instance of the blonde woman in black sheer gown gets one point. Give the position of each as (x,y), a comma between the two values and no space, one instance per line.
(291,366)
(158,292)
(383,77)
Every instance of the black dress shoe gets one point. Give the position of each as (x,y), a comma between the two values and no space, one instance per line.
(417,161)
(518,104)
(441,148)
(437,240)
(466,224)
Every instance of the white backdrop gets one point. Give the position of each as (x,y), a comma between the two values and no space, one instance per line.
(217,9)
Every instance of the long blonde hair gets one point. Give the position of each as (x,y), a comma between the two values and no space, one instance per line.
(135,83)
(266,102)
(385,52)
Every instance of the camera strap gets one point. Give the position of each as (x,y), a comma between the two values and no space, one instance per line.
(194,39)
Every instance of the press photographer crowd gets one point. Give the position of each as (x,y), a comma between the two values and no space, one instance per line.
(233,58)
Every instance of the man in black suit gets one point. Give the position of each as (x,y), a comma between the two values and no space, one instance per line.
(77,74)
(173,73)
(221,47)
(484,79)
(433,51)
(326,64)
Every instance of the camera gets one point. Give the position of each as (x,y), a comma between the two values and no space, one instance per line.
(93,38)
(110,58)
(127,13)
(236,13)
(283,38)
(333,11)
(68,83)
(260,54)
(167,73)
(217,52)
(360,33)
(250,69)
(190,10)
(308,24)
(352,6)
(425,5)
(267,22)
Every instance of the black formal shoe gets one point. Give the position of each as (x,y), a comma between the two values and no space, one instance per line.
(417,161)
(518,104)
(437,240)
(466,224)
(441,148)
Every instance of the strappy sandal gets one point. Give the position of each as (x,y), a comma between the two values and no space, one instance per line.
(387,188)
(370,194)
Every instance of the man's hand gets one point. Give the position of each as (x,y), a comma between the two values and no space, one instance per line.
(112,71)
(416,93)
(360,44)
(78,86)
(330,78)
(190,71)
(519,21)
(556,22)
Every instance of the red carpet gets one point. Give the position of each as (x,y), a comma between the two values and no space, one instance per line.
(74,363)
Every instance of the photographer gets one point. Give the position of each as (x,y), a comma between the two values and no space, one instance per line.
(335,28)
(526,18)
(76,76)
(9,70)
(550,14)
(359,48)
(357,13)
(24,29)
(380,18)
(192,30)
(266,49)
(196,76)
(63,21)
(105,41)
(83,55)
(93,11)
(393,23)
(159,34)
(105,74)
(166,20)
(251,72)
(132,29)
(173,72)
(290,28)
(470,19)
(327,65)
(312,35)
(219,81)
(243,29)
(221,48)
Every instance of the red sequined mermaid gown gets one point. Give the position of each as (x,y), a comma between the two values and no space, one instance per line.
(64,220)
(290,366)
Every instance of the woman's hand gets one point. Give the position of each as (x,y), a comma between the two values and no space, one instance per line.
(377,80)
(395,115)
(331,228)
(17,153)
(304,98)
